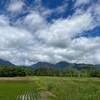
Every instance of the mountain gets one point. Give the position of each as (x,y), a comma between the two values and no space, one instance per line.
(6,63)
(41,64)
(81,66)
(63,65)
(97,66)
(59,65)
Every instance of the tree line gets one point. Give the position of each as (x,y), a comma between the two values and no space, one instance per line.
(47,71)
(14,71)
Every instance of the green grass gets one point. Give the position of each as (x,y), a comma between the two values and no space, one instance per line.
(50,88)
(18,89)
(72,88)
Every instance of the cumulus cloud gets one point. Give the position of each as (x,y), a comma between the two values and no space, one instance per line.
(81,2)
(15,5)
(96,10)
(32,38)
(34,21)
(4,20)
(12,36)
(62,30)
(46,11)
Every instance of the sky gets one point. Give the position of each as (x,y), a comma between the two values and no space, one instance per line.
(50,31)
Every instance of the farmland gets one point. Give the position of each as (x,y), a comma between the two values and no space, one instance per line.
(49,88)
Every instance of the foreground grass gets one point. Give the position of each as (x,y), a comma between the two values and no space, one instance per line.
(18,89)
(49,88)
(72,88)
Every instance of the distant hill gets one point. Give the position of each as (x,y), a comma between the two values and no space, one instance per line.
(41,64)
(81,66)
(97,66)
(63,65)
(59,65)
(6,63)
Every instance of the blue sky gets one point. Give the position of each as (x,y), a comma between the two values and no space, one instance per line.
(50,30)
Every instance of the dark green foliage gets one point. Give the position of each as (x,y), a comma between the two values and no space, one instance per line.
(94,73)
(47,71)
(70,73)
(81,66)
(14,71)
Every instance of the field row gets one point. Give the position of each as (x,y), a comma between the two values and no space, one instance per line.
(50,88)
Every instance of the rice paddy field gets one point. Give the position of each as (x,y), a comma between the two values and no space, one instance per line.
(49,88)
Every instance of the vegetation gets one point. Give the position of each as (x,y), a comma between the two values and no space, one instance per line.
(23,88)
(48,71)
(14,71)
(37,84)
(63,88)
(49,88)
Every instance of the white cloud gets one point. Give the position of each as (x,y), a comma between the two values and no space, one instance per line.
(88,48)
(32,38)
(80,50)
(96,11)
(60,9)
(15,5)
(81,2)
(34,21)
(13,37)
(62,30)
(4,20)
(45,11)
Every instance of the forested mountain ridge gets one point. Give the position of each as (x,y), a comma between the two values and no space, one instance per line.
(64,65)
(59,65)
(6,63)
(60,69)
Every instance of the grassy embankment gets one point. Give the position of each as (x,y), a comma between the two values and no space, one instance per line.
(49,88)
